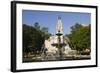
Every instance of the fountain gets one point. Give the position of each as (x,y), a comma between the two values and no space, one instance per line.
(55,47)
(60,43)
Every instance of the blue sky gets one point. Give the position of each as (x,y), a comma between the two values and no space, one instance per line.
(49,19)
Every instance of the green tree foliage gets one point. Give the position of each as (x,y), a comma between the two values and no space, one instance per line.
(34,37)
(37,26)
(80,37)
(26,37)
(45,32)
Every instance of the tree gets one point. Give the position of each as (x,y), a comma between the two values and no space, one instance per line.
(34,37)
(26,38)
(46,34)
(37,26)
(80,36)
(75,28)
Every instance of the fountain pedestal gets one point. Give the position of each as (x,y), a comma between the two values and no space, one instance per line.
(59,45)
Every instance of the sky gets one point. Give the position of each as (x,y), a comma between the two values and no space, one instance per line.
(49,19)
